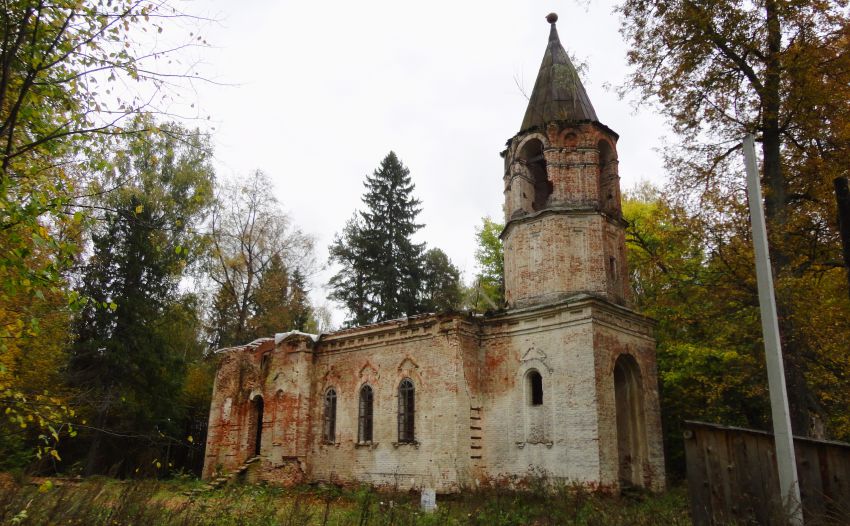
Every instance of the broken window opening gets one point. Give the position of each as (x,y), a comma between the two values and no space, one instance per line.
(535,387)
(364,428)
(532,157)
(608,179)
(406,411)
(329,427)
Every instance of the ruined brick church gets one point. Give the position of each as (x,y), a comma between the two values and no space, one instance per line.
(561,382)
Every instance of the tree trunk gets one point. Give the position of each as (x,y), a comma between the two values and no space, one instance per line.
(842,197)
(93,455)
(776,213)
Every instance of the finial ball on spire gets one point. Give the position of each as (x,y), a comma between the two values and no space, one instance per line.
(552,18)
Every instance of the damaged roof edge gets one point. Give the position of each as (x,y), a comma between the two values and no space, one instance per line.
(281,336)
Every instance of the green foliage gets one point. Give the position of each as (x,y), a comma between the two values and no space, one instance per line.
(280,302)
(381,275)
(709,361)
(780,70)
(696,277)
(441,287)
(135,332)
(350,285)
(60,115)
(488,290)
(105,502)
(258,263)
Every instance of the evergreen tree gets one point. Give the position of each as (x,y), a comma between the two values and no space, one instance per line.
(280,302)
(349,285)
(271,301)
(125,357)
(382,266)
(300,310)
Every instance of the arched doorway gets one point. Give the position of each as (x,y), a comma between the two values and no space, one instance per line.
(256,434)
(631,427)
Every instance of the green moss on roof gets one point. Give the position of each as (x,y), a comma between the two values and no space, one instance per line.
(558,94)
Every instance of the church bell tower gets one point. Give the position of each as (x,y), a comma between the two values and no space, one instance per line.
(564,231)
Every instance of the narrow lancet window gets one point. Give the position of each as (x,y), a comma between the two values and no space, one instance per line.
(535,386)
(329,423)
(364,428)
(406,411)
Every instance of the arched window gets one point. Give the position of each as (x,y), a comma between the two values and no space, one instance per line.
(406,411)
(364,427)
(329,417)
(535,388)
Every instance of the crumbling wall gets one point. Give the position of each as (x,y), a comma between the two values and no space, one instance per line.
(427,352)
(618,333)
(238,381)
(557,343)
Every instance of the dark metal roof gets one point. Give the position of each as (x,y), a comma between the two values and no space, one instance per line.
(558,94)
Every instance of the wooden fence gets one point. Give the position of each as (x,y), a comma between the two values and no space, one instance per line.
(732,477)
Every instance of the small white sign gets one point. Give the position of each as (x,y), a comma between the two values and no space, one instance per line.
(429,500)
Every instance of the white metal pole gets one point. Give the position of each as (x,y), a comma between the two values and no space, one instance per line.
(789,485)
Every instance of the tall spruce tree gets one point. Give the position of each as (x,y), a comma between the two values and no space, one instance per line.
(382,266)
(125,356)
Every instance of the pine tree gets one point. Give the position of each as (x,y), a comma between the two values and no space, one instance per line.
(280,302)
(382,266)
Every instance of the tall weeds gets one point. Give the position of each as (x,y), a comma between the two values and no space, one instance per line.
(104,502)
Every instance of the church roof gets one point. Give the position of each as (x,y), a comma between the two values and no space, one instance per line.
(558,94)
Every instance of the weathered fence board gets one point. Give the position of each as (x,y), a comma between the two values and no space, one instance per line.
(732,477)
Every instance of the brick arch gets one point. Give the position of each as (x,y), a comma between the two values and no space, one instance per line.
(530,137)
(608,177)
(568,138)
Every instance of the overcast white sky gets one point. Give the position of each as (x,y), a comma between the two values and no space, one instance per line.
(321,91)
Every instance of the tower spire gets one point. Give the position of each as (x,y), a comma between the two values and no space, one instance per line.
(558,94)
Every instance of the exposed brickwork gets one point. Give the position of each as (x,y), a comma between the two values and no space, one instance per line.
(473,418)
(574,241)
(476,416)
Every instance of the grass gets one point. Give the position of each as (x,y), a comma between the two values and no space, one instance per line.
(102,502)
